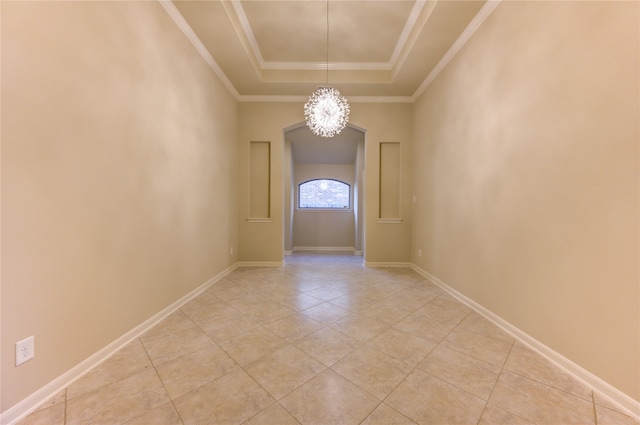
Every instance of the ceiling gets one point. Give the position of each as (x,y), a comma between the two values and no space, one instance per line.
(378,50)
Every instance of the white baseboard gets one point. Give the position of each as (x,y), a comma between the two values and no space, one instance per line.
(32,402)
(386,264)
(259,264)
(324,248)
(606,390)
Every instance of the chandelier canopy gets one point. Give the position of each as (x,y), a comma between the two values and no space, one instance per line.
(326,111)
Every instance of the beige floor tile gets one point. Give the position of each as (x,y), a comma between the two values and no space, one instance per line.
(359,327)
(227,292)
(447,301)
(326,313)
(252,345)
(403,346)
(268,312)
(326,293)
(327,345)
(295,300)
(601,401)
(475,323)
(273,415)
(526,362)
(52,415)
(118,402)
(540,403)
(608,416)
(373,371)
(165,414)
(247,301)
(215,311)
(223,329)
(59,398)
(428,400)
(329,399)
(232,399)
(175,322)
(424,327)
(384,313)
(385,415)
(460,370)
(380,290)
(193,370)
(440,313)
(205,299)
(410,300)
(130,360)
(294,327)
(259,335)
(494,415)
(171,347)
(488,350)
(354,301)
(284,370)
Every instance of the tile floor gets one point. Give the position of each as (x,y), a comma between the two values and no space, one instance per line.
(325,340)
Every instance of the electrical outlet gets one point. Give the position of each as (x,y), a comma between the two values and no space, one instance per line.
(24,350)
(231,251)
(419,253)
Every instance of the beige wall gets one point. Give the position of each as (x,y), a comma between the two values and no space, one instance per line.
(526,172)
(117,196)
(318,228)
(263,241)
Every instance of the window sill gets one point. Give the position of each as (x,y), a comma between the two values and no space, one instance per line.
(323,210)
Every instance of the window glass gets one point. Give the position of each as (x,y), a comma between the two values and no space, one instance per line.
(324,193)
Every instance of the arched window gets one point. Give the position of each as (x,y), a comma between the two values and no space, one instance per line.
(324,193)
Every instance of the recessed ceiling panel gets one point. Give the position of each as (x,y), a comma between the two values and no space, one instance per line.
(377,48)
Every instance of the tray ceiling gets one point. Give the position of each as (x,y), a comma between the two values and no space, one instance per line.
(377,49)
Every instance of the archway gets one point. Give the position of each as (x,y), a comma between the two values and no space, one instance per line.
(309,157)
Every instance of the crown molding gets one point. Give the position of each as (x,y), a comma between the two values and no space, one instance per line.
(303,99)
(475,23)
(186,29)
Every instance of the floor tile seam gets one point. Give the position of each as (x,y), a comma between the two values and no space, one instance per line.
(549,385)
(414,366)
(595,409)
(360,342)
(164,386)
(494,387)
(441,343)
(104,385)
(277,400)
(390,407)
(361,388)
(487,336)
(488,366)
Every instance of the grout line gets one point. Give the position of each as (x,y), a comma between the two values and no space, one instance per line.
(595,410)
(496,381)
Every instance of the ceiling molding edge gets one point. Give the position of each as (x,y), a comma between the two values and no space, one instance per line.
(473,26)
(304,99)
(423,15)
(186,29)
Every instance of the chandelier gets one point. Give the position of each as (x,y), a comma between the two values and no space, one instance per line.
(326,111)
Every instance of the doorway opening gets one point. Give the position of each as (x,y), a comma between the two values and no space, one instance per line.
(322,168)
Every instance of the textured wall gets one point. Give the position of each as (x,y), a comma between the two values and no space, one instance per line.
(117,150)
(526,172)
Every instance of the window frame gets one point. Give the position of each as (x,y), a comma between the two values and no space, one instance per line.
(311,209)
